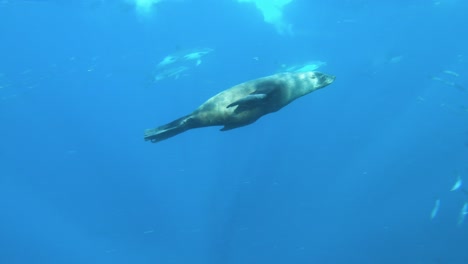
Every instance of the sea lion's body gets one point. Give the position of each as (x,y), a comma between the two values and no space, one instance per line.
(243,104)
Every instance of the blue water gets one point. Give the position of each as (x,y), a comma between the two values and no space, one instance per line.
(347,174)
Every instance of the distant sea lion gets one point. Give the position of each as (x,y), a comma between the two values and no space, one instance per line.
(244,103)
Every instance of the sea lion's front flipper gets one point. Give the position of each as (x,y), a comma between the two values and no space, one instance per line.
(250,100)
(262,94)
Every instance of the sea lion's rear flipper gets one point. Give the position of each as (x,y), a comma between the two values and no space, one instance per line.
(169,130)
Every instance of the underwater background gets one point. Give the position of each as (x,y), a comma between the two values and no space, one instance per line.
(369,169)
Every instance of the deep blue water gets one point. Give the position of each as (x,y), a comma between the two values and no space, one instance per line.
(347,174)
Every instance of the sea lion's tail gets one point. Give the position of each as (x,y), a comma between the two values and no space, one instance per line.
(169,130)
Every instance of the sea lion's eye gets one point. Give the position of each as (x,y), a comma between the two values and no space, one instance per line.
(313,77)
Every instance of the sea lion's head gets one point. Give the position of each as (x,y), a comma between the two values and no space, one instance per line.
(318,79)
(312,80)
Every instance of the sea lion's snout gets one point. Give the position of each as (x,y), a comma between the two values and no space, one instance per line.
(322,79)
(326,79)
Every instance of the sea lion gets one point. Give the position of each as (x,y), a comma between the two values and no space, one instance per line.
(244,103)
